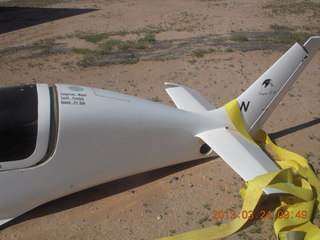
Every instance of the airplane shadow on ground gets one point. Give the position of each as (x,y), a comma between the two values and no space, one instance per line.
(125,184)
(14,18)
(290,130)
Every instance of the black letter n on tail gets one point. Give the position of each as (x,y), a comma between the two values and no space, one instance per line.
(244,106)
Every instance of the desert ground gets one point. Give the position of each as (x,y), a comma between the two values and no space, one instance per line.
(218,47)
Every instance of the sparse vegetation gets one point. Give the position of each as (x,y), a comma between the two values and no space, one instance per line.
(141,43)
(313,137)
(148,31)
(312,28)
(129,61)
(309,155)
(201,52)
(138,44)
(189,213)
(82,51)
(66,63)
(294,7)
(192,61)
(97,37)
(229,50)
(47,46)
(239,38)
(291,34)
(206,206)
(44,43)
(85,61)
(284,35)
(204,219)
(277,27)
(104,48)
(94,38)
(33,65)
(155,99)
(291,37)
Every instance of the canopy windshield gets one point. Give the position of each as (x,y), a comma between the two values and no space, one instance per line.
(18,122)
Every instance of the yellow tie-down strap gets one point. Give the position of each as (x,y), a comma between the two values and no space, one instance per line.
(292,219)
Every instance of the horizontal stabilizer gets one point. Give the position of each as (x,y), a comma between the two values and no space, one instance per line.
(188,99)
(244,157)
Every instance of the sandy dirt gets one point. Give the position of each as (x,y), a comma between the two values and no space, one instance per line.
(36,46)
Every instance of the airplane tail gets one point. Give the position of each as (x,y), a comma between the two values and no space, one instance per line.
(261,98)
(256,104)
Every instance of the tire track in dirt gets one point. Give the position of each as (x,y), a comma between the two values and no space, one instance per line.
(171,49)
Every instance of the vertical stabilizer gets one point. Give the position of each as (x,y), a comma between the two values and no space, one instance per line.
(261,98)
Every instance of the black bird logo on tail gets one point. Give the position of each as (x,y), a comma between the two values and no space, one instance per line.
(267,82)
